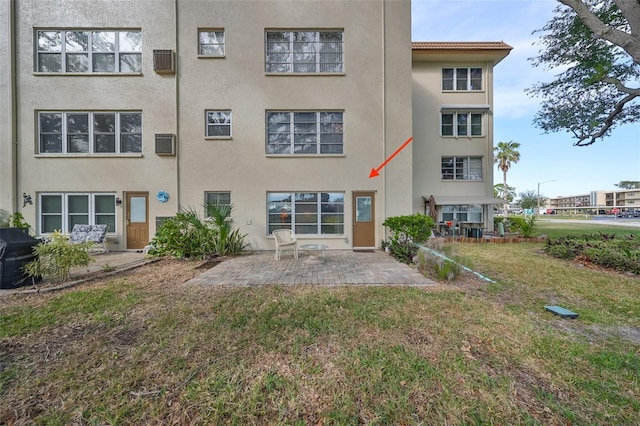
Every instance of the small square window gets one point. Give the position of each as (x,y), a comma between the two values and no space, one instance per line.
(211,43)
(218,124)
(216,199)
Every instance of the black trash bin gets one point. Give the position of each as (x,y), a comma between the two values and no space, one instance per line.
(16,249)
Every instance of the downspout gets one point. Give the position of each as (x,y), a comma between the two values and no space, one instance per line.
(177,103)
(13,86)
(383,196)
(488,213)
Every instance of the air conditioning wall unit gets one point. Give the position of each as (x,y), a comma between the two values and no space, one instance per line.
(163,62)
(165,144)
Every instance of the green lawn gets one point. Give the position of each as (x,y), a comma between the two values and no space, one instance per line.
(561,229)
(142,348)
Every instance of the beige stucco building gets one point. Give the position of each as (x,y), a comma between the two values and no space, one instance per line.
(125,115)
(453,129)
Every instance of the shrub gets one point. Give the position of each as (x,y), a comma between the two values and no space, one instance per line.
(227,240)
(56,257)
(406,232)
(15,220)
(622,254)
(187,235)
(526,226)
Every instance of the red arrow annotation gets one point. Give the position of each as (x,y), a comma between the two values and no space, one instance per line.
(376,172)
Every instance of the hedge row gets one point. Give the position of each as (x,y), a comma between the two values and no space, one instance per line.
(607,250)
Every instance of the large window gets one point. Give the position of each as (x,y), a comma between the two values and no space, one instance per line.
(61,211)
(89,51)
(211,43)
(304,52)
(463,213)
(218,124)
(462,168)
(304,132)
(306,212)
(461,124)
(461,78)
(90,132)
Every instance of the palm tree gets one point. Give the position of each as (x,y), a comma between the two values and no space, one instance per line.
(503,155)
(497,192)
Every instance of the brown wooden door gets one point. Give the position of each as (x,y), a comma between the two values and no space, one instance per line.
(137,220)
(364,220)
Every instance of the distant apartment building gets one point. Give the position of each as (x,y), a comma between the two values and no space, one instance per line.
(626,199)
(569,202)
(125,115)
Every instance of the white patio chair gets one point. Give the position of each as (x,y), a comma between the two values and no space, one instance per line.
(285,238)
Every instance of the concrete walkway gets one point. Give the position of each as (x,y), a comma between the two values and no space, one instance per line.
(340,267)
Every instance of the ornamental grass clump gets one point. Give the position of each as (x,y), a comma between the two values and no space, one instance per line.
(439,267)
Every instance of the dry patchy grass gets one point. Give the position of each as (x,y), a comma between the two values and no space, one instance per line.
(145,348)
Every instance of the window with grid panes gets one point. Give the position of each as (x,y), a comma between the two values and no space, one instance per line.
(306,212)
(89,132)
(461,124)
(61,211)
(462,168)
(304,132)
(465,79)
(304,52)
(88,51)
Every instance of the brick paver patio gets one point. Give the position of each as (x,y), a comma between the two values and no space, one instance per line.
(340,267)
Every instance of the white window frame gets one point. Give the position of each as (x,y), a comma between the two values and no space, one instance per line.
(326,133)
(219,35)
(65,134)
(216,115)
(471,168)
(295,214)
(468,213)
(288,63)
(65,212)
(455,81)
(89,52)
(456,125)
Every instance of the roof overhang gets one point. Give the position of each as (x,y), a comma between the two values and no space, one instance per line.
(450,51)
(446,200)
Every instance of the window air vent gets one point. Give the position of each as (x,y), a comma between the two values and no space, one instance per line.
(163,62)
(165,144)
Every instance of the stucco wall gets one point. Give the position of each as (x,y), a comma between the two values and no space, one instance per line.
(430,147)
(238,82)
(151,93)
(374,92)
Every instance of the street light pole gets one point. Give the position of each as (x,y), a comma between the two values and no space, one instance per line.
(540,183)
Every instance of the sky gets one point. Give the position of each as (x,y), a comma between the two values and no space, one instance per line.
(550,160)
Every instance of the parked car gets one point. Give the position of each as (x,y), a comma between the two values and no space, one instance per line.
(629,213)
